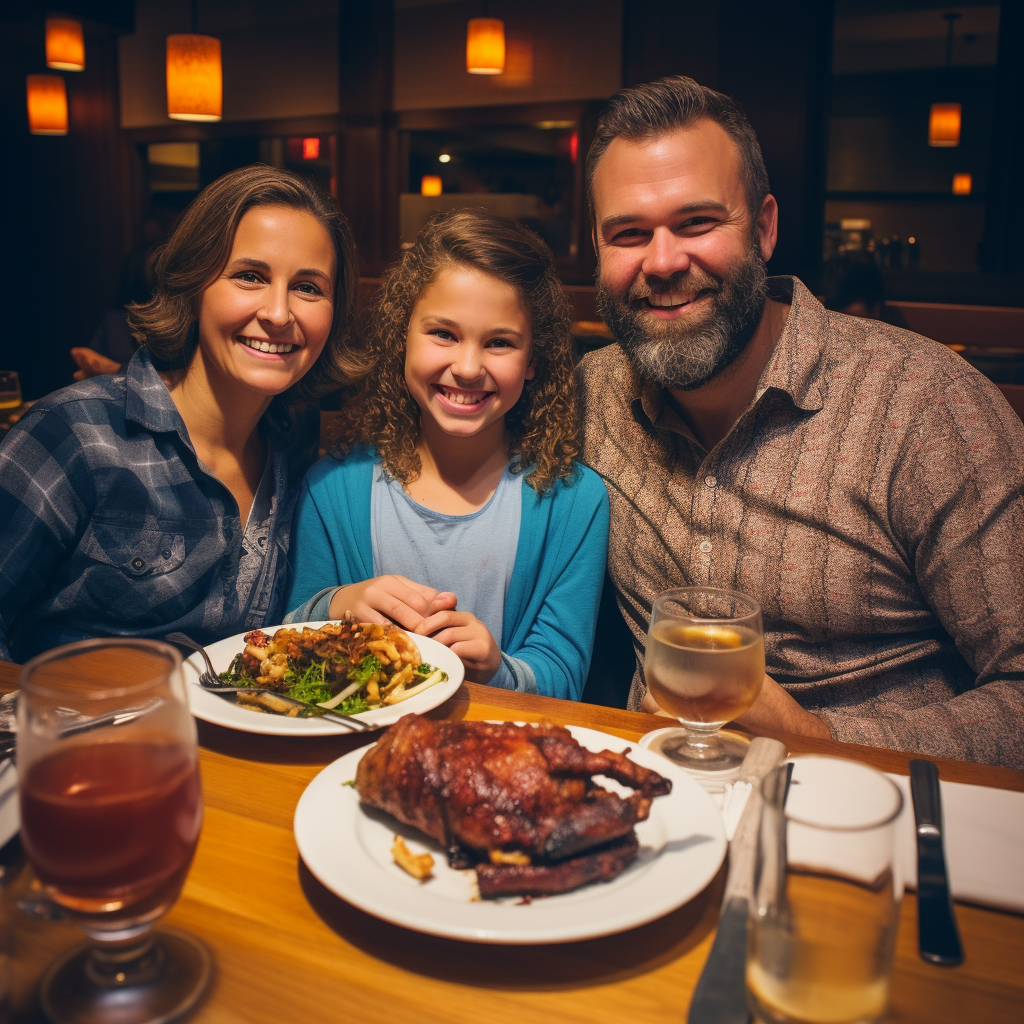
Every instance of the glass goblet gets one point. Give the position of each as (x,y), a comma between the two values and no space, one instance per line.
(111,809)
(704,664)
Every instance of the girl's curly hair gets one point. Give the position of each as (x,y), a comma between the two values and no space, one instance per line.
(378,409)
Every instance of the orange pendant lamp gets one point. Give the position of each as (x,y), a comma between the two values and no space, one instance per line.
(65,44)
(944,125)
(431,185)
(485,46)
(194,76)
(47,105)
(944,118)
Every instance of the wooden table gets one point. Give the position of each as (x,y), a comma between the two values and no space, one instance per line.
(288,950)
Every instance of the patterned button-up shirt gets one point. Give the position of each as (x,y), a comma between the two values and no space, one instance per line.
(871,499)
(110,525)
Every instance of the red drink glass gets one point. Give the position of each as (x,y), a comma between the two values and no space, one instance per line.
(111,809)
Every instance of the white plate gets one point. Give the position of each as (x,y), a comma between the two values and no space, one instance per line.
(211,708)
(347,846)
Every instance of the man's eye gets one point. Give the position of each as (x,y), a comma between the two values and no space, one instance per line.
(630,235)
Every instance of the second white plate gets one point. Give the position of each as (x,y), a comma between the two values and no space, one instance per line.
(211,708)
(347,847)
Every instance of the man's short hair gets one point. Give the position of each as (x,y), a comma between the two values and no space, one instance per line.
(644,112)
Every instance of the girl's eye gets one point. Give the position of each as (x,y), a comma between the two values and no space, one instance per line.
(500,343)
(440,332)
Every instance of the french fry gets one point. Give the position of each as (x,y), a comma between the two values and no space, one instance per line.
(419,865)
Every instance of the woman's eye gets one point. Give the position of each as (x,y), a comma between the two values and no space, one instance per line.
(308,288)
(248,277)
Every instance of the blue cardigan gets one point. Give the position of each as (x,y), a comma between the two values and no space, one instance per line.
(552,601)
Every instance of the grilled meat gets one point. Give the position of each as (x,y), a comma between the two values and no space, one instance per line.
(521,796)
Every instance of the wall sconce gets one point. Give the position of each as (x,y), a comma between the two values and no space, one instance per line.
(485,46)
(194,81)
(430,185)
(47,105)
(961,184)
(65,44)
(944,125)
(311,148)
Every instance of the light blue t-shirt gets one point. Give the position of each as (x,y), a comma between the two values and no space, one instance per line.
(470,555)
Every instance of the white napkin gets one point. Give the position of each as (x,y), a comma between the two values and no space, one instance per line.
(984,839)
(984,842)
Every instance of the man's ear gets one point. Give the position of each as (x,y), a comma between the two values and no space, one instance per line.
(767,226)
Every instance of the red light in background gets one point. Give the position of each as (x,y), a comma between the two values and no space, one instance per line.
(574,146)
(311,149)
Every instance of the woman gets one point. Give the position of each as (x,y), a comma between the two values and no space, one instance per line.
(162,499)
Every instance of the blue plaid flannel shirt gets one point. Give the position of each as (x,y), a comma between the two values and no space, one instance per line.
(109,526)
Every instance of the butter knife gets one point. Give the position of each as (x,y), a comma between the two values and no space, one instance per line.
(938,939)
(721,993)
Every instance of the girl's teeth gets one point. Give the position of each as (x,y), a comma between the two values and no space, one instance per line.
(266,346)
(461,398)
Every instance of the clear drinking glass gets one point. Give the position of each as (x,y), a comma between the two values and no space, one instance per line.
(704,663)
(111,809)
(828,885)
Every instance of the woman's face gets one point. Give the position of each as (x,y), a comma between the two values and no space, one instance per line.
(468,352)
(264,321)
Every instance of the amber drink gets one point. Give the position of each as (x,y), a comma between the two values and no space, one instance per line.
(704,664)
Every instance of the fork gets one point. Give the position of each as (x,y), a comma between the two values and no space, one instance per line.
(209,682)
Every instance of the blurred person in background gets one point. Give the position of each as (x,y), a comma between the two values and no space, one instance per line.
(852,283)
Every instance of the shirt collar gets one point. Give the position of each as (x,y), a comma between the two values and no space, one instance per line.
(147,400)
(794,367)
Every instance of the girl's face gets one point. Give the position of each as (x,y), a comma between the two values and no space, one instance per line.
(469,351)
(264,321)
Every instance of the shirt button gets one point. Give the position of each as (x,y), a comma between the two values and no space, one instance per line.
(710,481)
(166,553)
(138,563)
(705,546)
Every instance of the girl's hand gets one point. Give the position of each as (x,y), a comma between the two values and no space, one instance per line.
(387,599)
(466,636)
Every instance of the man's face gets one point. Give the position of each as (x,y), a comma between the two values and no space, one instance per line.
(681,265)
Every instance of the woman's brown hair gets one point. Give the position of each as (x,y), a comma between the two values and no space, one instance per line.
(198,251)
(542,425)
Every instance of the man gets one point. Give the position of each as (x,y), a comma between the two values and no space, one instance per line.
(863,484)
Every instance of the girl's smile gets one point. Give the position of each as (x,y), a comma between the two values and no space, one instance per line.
(468,352)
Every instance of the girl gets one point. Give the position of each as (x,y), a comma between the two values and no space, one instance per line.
(161,499)
(468,519)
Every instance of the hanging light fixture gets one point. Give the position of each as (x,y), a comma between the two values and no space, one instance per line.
(430,185)
(961,184)
(65,44)
(485,46)
(47,105)
(194,78)
(944,118)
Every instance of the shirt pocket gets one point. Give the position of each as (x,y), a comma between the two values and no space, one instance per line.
(137,553)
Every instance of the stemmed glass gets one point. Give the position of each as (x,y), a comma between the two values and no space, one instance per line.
(111,809)
(704,663)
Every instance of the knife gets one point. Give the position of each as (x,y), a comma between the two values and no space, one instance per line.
(938,939)
(721,993)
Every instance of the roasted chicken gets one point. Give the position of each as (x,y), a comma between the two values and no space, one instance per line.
(519,798)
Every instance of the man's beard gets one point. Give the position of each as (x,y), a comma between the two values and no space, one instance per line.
(685,353)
